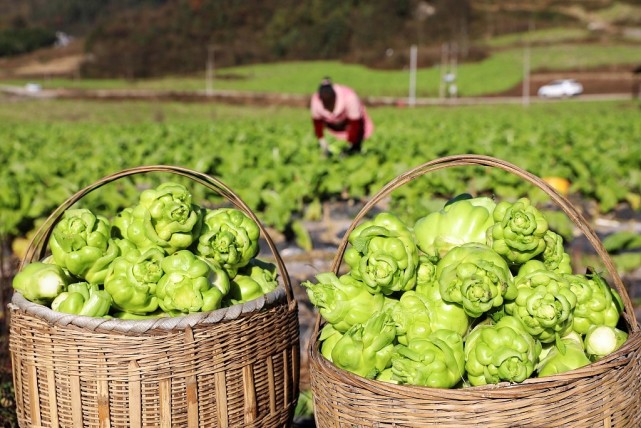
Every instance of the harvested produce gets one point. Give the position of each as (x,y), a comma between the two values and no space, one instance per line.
(437,361)
(82,298)
(162,256)
(553,361)
(478,292)
(41,282)
(503,351)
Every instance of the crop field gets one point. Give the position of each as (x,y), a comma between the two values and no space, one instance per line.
(268,155)
(54,148)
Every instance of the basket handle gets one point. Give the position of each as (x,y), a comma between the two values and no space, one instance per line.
(471,159)
(37,247)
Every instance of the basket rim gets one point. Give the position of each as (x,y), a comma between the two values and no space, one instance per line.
(504,390)
(269,300)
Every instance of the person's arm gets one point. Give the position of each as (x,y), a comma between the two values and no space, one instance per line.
(319,125)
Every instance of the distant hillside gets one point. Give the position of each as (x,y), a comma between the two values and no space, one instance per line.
(145,38)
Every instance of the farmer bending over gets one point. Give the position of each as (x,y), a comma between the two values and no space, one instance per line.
(338,108)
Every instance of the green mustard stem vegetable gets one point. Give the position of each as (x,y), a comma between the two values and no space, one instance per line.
(41,282)
(81,243)
(383,254)
(501,352)
(229,237)
(602,340)
(185,286)
(132,280)
(476,277)
(557,360)
(164,216)
(84,299)
(518,232)
(461,221)
(366,349)
(544,304)
(437,361)
(597,303)
(344,301)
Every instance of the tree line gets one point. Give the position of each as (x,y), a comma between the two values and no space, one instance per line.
(146,38)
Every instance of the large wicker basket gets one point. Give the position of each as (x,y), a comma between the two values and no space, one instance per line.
(603,394)
(233,367)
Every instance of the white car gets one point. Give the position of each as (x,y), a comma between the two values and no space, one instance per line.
(561,88)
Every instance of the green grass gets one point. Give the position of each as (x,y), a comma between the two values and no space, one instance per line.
(497,73)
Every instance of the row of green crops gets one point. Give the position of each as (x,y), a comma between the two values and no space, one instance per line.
(270,158)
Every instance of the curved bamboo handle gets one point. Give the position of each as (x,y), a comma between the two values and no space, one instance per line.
(470,159)
(37,246)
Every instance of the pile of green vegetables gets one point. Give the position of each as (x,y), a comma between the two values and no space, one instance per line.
(163,256)
(475,293)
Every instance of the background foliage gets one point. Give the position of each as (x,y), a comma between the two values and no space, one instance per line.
(138,39)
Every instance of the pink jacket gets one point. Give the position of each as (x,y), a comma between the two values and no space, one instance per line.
(348,107)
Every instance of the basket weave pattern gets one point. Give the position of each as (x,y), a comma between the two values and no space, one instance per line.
(233,367)
(604,394)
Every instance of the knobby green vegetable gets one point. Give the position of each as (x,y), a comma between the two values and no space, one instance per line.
(229,237)
(554,256)
(83,298)
(264,273)
(544,304)
(531,266)
(252,281)
(366,349)
(556,362)
(383,254)
(130,316)
(343,302)
(387,375)
(124,245)
(438,361)
(187,285)
(518,232)
(81,243)
(501,352)
(412,318)
(476,277)
(41,282)
(442,314)
(328,338)
(597,303)
(460,222)
(164,217)
(603,340)
(132,280)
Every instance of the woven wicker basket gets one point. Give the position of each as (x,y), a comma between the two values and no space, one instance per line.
(233,367)
(602,394)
